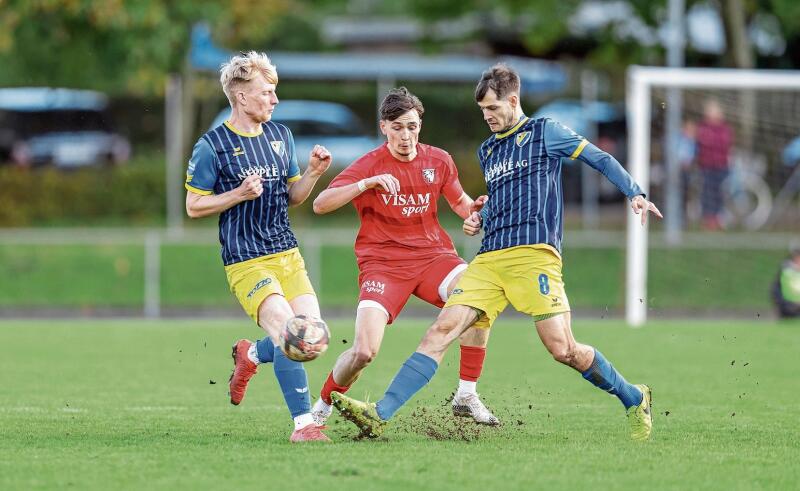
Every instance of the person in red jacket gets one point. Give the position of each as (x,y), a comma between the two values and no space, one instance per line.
(714,141)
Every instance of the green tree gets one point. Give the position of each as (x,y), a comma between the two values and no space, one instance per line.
(122,46)
(542,27)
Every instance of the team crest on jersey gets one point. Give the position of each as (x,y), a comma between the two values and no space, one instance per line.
(277,147)
(523,138)
(429,175)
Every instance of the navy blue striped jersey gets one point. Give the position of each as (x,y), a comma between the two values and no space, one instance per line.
(522,168)
(221,160)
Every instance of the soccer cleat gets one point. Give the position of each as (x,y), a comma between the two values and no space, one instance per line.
(243,371)
(640,417)
(309,433)
(362,414)
(321,412)
(469,405)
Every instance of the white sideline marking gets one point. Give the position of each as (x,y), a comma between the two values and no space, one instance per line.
(37,409)
(23,409)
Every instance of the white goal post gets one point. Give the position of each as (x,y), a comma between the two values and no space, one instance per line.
(640,83)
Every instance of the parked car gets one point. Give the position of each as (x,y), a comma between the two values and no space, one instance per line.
(329,124)
(64,127)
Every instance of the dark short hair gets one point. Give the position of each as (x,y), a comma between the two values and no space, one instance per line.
(398,102)
(501,78)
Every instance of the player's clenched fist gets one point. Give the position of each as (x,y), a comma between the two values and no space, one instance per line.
(472,224)
(251,188)
(387,182)
(319,160)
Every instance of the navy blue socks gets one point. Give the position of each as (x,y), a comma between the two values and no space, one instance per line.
(291,376)
(603,375)
(415,373)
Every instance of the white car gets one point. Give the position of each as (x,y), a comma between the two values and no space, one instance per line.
(63,127)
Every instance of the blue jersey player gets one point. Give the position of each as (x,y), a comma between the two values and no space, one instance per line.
(520,257)
(246,171)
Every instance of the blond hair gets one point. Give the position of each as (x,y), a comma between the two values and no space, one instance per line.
(243,68)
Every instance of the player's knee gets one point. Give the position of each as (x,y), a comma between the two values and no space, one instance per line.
(474,337)
(364,356)
(268,313)
(440,329)
(564,354)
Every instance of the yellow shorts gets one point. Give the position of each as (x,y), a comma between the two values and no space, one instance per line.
(254,280)
(527,276)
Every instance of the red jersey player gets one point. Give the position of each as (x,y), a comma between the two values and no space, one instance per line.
(401,248)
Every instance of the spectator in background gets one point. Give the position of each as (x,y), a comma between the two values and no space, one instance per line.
(786,289)
(714,140)
(687,152)
(790,172)
(687,145)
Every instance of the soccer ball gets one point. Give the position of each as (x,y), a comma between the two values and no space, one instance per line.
(304,338)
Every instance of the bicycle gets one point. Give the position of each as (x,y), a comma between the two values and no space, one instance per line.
(747,199)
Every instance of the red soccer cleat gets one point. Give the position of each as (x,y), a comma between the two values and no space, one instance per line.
(243,371)
(309,433)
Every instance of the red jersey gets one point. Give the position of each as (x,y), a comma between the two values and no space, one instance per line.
(402,227)
(714,141)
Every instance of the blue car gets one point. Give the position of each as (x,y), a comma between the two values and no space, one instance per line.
(63,127)
(330,124)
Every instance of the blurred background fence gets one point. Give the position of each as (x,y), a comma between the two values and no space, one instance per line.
(150,272)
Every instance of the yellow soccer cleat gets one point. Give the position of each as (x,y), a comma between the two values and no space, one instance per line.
(362,414)
(640,417)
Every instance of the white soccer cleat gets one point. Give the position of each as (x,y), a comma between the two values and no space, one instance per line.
(321,412)
(470,406)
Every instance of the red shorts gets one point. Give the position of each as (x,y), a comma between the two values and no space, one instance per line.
(390,290)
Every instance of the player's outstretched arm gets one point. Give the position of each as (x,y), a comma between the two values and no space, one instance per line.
(561,141)
(614,172)
(318,162)
(334,198)
(198,205)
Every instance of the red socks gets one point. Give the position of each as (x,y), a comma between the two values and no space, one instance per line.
(331,386)
(471,362)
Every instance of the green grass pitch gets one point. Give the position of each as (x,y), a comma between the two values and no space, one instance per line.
(143,405)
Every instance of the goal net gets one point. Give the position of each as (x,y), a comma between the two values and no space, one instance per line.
(718,151)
